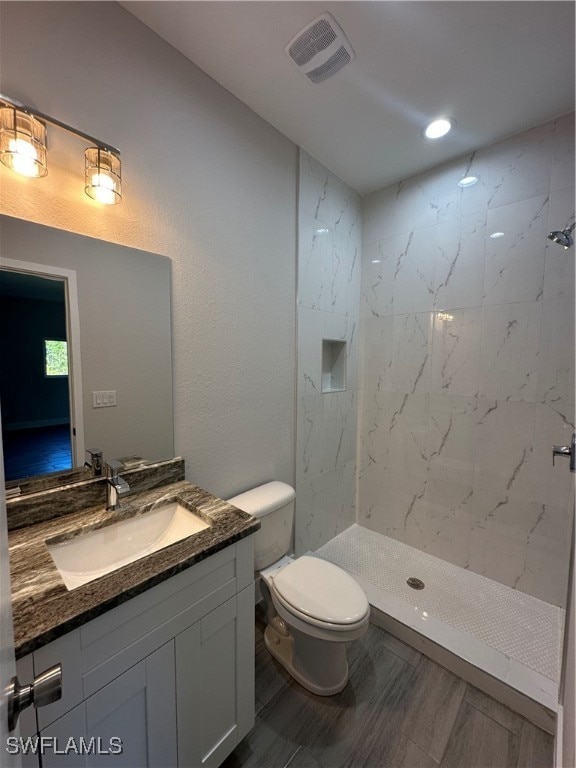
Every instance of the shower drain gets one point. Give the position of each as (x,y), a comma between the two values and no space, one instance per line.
(415,583)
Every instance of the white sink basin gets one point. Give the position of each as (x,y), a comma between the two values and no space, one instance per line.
(90,555)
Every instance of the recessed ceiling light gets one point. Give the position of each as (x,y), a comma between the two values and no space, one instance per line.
(438,128)
(468,181)
(376,261)
(494,235)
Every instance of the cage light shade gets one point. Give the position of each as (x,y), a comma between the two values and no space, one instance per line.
(103,175)
(22,142)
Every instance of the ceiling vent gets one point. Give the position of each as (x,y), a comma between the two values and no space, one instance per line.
(320,49)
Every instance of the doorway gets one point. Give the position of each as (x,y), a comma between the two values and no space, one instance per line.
(37,381)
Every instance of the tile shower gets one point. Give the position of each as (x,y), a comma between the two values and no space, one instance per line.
(460,373)
(468,362)
(329,254)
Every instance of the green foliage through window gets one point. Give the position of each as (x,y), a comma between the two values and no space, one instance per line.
(55,357)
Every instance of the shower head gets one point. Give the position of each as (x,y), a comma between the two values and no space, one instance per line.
(564,238)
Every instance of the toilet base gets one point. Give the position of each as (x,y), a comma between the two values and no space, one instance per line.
(319,666)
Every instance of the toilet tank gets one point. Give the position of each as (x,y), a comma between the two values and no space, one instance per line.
(272,504)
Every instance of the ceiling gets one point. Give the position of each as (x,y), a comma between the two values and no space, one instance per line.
(496,68)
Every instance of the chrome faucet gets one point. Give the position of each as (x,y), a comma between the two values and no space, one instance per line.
(566,450)
(96,462)
(116,486)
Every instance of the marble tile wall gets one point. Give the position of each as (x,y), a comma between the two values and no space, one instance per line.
(467,361)
(328,302)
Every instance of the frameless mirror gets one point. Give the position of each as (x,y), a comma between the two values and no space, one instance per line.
(85,342)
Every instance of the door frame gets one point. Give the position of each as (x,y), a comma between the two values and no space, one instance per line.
(7,657)
(74,356)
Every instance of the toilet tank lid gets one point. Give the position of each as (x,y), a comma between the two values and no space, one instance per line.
(264,499)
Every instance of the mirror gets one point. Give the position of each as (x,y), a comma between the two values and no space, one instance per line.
(118,317)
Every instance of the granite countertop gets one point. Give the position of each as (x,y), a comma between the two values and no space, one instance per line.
(44,609)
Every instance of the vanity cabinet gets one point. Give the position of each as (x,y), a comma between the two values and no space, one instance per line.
(170,673)
(215,683)
(138,707)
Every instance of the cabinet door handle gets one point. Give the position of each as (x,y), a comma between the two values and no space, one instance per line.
(46,688)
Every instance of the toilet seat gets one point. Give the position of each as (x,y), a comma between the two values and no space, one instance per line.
(321,594)
(292,615)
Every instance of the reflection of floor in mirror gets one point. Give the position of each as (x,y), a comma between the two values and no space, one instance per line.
(36,451)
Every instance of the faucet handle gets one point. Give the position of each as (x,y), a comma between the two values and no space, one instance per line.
(566,450)
(113,466)
(116,486)
(96,460)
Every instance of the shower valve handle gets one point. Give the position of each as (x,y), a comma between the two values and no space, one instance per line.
(566,450)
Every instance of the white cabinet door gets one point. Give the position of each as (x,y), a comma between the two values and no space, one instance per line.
(7,659)
(138,709)
(215,691)
(27,721)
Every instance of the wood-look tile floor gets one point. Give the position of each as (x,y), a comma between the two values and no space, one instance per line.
(399,709)
(36,451)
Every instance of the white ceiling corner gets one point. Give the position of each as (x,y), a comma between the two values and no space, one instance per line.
(497,68)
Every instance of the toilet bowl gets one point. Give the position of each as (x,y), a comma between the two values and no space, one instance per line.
(314,608)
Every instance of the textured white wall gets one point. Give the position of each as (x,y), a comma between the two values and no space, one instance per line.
(208,184)
(329,220)
(467,374)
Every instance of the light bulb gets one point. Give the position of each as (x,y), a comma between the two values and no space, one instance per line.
(103,188)
(24,157)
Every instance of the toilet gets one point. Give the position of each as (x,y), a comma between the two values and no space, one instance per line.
(314,608)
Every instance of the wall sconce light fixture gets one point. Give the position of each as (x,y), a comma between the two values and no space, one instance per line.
(23,149)
(103,175)
(22,142)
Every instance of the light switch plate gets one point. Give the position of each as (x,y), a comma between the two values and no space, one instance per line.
(104,398)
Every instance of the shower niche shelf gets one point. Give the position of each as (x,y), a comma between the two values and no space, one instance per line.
(333,365)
